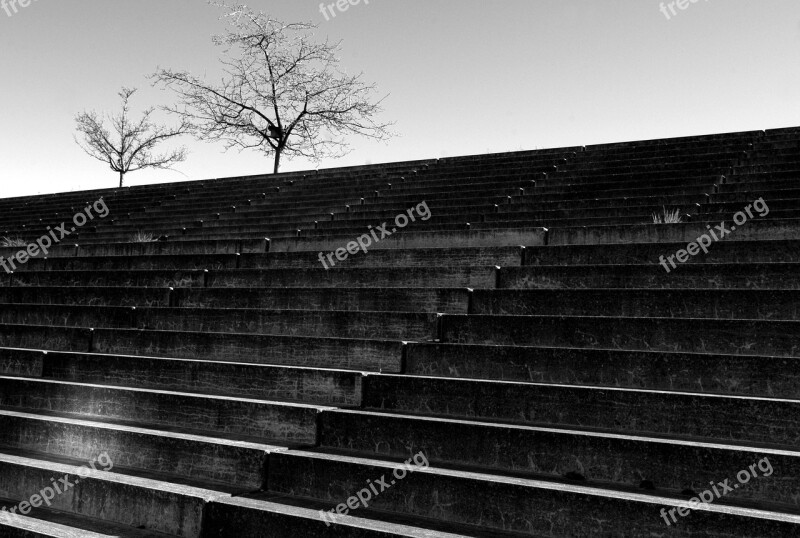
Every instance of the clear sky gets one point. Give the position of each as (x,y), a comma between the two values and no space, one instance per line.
(463,76)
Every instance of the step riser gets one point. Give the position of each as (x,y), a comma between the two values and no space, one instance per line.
(662,233)
(645,253)
(737,337)
(259,420)
(85,296)
(367,355)
(391,326)
(671,468)
(723,374)
(715,304)
(384,300)
(691,277)
(243,381)
(462,500)
(171,513)
(54,338)
(725,419)
(167,456)
(480,277)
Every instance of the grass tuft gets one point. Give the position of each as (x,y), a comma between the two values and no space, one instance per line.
(668,217)
(142,237)
(12,242)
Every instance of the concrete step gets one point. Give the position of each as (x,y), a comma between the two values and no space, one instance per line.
(255,420)
(300,351)
(191,247)
(407,258)
(724,418)
(45,337)
(129,501)
(51,524)
(256,381)
(438,300)
(730,251)
(788,229)
(666,466)
(781,276)
(458,497)
(412,240)
(532,203)
(139,263)
(110,279)
(737,337)
(235,517)
(362,277)
(748,375)
(86,296)
(762,304)
(236,466)
(342,324)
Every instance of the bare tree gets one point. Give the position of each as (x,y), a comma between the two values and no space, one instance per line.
(131,146)
(280,92)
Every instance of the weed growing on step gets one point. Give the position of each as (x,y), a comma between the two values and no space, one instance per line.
(365,241)
(60,486)
(668,217)
(375,488)
(716,234)
(142,237)
(725,487)
(12,242)
(43,244)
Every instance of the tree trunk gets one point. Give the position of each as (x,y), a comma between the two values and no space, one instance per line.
(277,160)
(121,177)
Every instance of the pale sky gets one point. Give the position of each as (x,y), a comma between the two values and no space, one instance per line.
(463,76)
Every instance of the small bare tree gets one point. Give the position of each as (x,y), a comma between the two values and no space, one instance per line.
(280,92)
(131,146)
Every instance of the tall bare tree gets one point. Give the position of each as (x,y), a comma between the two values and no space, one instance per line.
(130,147)
(280,92)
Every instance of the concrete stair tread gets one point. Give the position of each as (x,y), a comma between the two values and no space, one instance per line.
(133,486)
(726,418)
(724,506)
(676,440)
(156,432)
(599,388)
(269,507)
(46,523)
(189,434)
(176,393)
